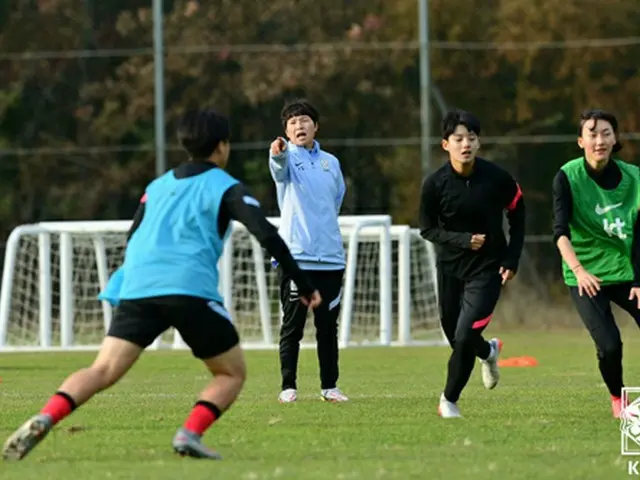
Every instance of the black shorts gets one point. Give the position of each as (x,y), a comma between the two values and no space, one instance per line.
(204,325)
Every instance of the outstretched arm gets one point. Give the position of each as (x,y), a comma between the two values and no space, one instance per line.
(429,224)
(240,205)
(279,161)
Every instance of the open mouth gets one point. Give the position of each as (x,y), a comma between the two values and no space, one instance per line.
(466,153)
(301,135)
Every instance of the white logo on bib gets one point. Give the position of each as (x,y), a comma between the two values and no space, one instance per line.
(602,210)
(614,228)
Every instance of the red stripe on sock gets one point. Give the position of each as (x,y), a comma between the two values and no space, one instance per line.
(200,419)
(58,407)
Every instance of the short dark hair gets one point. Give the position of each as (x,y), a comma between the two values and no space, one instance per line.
(598,114)
(459,117)
(200,131)
(296,108)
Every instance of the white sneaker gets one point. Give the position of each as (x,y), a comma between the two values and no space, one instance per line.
(490,371)
(288,395)
(333,395)
(448,409)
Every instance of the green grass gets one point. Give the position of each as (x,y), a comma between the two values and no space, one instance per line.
(551,421)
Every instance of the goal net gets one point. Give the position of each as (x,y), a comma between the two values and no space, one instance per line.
(53,272)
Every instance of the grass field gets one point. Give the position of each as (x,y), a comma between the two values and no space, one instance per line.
(550,421)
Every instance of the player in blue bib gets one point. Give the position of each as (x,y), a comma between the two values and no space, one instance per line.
(169,278)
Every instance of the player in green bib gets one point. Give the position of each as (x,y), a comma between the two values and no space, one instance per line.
(596,201)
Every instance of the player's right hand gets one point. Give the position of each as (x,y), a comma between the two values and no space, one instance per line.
(587,283)
(314,300)
(634,293)
(477,240)
(278,146)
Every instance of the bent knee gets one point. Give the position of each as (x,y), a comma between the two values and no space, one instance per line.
(106,373)
(239,372)
(291,334)
(230,364)
(466,340)
(610,350)
(235,375)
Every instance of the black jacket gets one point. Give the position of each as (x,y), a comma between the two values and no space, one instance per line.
(453,208)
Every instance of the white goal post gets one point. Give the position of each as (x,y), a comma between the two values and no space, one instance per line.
(53,272)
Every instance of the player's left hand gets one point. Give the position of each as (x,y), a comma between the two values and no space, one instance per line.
(508,275)
(312,301)
(635,293)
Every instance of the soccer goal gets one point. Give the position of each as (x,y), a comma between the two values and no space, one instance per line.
(53,272)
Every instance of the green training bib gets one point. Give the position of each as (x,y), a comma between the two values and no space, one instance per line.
(602,223)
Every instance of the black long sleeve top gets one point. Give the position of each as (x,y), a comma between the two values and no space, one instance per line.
(455,207)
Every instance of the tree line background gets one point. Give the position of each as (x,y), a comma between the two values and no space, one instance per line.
(77,94)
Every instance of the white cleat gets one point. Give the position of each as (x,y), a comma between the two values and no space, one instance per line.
(288,395)
(333,395)
(490,371)
(448,409)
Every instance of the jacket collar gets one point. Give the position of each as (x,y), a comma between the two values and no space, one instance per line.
(315,149)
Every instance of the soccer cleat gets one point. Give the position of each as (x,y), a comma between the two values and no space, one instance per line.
(23,440)
(490,371)
(288,395)
(188,444)
(447,409)
(333,395)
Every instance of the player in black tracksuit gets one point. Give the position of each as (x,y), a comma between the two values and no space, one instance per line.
(462,207)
